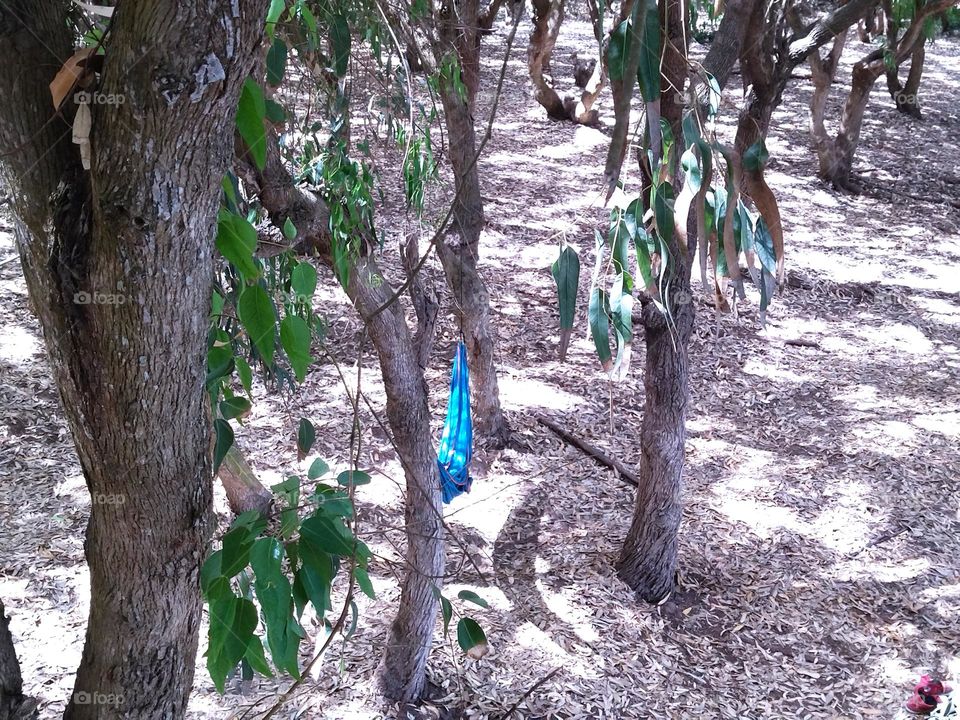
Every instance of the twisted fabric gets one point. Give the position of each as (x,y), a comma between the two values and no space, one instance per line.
(456,443)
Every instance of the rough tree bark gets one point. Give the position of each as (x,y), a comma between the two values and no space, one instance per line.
(13,704)
(907,96)
(459,249)
(402,671)
(118,262)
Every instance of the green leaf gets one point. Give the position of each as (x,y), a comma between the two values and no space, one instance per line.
(273,15)
(237,241)
(235,407)
(648,72)
(235,551)
(295,339)
(256,658)
(317,468)
(276,61)
(244,373)
(755,157)
(306,435)
(472,597)
(323,534)
(340,44)
(224,435)
(663,204)
(599,313)
(289,229)
(303,280)
(363,581)
(446,609)
(219,362)
(251,113)
(288,490)
(232,622)
(353,477)
(566,273)
(713,96)
(275,597)
(642,247)
(617,50)
(471,638)
(763,244)
(275,112)
(256,312)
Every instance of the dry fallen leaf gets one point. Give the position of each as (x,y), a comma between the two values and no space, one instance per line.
(69,76)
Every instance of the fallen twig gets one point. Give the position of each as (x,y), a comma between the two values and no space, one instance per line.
(622,470)
(533,687)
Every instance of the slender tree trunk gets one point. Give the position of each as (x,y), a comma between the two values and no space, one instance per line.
(824,72)
(728,40)
(402,671)
(907,96)
(13,704)
(547,18)
(648,558)
(851,121)
(459,250)
(119,266)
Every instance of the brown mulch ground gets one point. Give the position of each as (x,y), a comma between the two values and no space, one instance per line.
(820,546)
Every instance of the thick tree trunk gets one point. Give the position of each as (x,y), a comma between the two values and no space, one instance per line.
(402,672)
(13,704)
(648,559)
(728,40)
(547,18)
(459,250)
(840,160)
(119,267)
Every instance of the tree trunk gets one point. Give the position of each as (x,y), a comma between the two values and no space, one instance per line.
(728,40)
(119,267)
(402,672)
(459,250)
(648,559)
(547,18)
(244,491)
(824,71)
(907,96)
(865,75)
(13,704)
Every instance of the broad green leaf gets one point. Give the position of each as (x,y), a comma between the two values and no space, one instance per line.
(256,658)
(251,113)
(276,61)
(663,207)
(235,551)
(288,491)
(471,638)
(235,407)
(232,622)
(763,244)
(617,50)
(295,339)
(446,609)
(275,112)
(273,15)
(224,440)
(317,469)
(306,435)
(255,309)
(303,280)
(275,597)
(289,229)
(353,477)
(472,597)
(219,363)
(644,266)
(324,534)
(237,241)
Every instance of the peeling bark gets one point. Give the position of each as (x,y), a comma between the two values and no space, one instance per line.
(547,18)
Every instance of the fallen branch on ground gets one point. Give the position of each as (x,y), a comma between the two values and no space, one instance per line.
(625,473)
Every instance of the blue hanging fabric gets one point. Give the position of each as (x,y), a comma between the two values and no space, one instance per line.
(456,443)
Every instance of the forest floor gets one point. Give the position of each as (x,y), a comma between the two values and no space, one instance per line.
(820,544)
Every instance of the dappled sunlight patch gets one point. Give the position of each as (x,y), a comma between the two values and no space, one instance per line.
(947,423)
(18,345)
